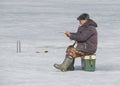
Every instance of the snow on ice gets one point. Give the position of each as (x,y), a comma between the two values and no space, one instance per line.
(40,24)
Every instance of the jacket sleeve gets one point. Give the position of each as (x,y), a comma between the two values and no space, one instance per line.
(82,35)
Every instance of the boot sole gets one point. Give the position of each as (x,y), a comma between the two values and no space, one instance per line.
(56,66)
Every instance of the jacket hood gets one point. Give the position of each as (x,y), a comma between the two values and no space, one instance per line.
(90,22)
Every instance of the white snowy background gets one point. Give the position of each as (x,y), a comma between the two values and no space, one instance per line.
(40,24)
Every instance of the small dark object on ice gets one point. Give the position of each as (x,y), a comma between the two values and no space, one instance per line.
(46,51)
(42,51)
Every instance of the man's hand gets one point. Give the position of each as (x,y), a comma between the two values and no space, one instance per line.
(67,33)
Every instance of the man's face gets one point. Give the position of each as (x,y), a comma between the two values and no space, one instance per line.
(82,21)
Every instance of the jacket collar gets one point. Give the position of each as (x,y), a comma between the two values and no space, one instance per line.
(90,22)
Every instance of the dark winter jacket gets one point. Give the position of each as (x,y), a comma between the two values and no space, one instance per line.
(86,37)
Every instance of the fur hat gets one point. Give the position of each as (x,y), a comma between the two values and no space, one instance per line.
(83,16)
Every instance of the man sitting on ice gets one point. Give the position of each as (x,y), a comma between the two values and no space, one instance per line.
(85,42)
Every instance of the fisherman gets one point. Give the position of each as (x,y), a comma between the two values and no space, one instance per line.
(85,42)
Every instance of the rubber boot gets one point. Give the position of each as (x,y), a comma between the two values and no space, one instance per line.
(71,67)
(66,63)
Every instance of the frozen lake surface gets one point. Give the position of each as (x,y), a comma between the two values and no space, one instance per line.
(40,24)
